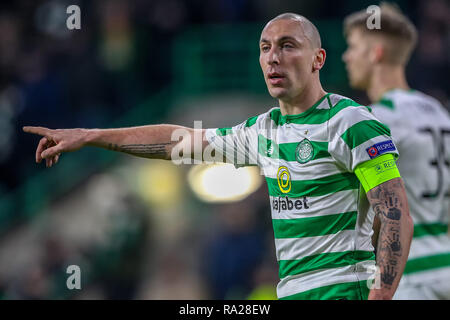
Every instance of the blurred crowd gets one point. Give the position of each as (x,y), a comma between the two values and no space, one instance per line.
(55,77)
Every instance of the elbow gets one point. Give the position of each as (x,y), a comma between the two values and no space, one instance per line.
(168,153)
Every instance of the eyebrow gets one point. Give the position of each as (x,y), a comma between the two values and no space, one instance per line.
(284,38)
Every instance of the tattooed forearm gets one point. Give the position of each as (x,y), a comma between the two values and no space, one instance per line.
(389,252)
(390,205)
(155,150)
(389,274)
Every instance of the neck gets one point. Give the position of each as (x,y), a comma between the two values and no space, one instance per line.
(303,101)
(385,78)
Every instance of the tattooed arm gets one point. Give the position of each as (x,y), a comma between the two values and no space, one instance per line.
(152,141)
(396,229)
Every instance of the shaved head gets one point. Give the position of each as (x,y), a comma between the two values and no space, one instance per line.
(309,29)
(290,56)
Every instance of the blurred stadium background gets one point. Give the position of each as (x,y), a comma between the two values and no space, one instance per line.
(138,229)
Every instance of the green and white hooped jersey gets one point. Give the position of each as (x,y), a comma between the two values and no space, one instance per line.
(322,225)
(421,130)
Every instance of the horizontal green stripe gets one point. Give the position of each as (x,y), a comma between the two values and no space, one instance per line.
(279,119)
(388,103)
(251,121)
(223,131)
(343,104)
(427,263)
(357,290)
(323,261)
(429,229)
(315,188)
(287,151)
(362,131)
(312,115)
(314,226)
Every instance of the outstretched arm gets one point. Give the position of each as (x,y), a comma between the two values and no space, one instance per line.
(390,204)
(152,141)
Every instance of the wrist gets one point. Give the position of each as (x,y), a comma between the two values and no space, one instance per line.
(90,137)
(380,294)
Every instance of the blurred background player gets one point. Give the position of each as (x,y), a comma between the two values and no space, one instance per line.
(376,60)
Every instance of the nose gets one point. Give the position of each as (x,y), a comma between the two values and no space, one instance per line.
(274,56)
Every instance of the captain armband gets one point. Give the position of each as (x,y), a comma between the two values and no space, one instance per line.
(374,172)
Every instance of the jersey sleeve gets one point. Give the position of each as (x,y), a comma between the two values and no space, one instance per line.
(396,123)
(237,145)
(356,136)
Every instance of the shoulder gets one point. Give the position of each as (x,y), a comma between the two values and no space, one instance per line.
(385,110)
(344,106)
(402,104)
(258,121)
(266,119)
(395,100)
(347,112)
(430,104)
(392,107)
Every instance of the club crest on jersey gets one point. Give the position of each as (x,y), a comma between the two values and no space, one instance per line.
(380,148)
(304,151)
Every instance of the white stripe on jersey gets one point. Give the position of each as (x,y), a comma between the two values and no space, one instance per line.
(297,248)
(314,169)
(429,245)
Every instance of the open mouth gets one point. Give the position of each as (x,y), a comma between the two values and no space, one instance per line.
(275,75)
(275,78)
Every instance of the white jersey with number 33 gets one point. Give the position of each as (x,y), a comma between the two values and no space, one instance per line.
(420,128)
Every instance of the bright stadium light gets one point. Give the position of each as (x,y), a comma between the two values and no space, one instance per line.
(223,182)
(160,184)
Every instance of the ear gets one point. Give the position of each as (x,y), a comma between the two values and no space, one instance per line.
(319,59)
(377,53)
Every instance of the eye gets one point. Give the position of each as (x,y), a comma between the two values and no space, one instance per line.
(287,45)
(265,48)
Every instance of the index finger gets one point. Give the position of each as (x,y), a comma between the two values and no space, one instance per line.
(37,130)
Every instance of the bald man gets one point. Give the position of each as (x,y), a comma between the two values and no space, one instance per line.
(319,152)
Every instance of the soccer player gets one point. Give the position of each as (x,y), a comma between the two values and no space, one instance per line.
(316,149)
(376,60)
